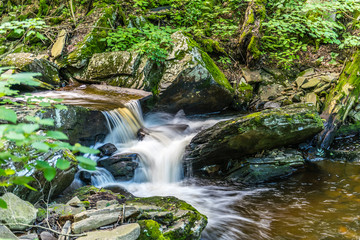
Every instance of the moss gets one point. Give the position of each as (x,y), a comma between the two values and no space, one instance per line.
(253,48)
(150,230)
(43,8)
(209,45)
(84,192)
(41,214)
(218,76)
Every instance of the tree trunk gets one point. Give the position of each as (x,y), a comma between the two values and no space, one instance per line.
(248,47)
(341,100)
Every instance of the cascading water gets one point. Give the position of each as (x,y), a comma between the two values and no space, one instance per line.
(160,170)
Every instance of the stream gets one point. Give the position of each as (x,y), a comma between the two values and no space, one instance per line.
(322,202)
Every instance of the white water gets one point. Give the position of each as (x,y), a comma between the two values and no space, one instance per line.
(161,174)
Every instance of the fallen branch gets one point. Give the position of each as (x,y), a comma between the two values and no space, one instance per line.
(49,229)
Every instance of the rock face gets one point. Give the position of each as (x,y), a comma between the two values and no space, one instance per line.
(18,211)
(124,232)
(273,164)
(27,62)
(188,79)
(253,133)
(5,233)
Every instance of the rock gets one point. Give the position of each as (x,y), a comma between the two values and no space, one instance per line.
(87,42)
(66,229)
(296,98)
(311,98)
(59,45)
(300,81)
(121,166)
(269,166)
(253,133)
(5,233)
(251,77)
(62,180)
(311,83)
(103,204)
(270,92)
(31,236)
(47,236)
(271,105)
(107,149)
(323,88)
(124,232)
(307,72)
(191,81)
(27,62)
(18,211)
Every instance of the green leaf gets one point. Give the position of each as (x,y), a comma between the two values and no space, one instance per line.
(86,163)
(9,172)
(42,147)
(3,204)
(60,107)
(46,122)
(29,128)
(83,149)
(15,136)
(57,135)
(30,187)
(8,115)
(44,104)
(49,173)
(21,180)
(62,164)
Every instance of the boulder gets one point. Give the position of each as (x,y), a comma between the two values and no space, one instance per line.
(5,233)
(87,41)
(121,166)
(59,45)
(188,79)
(18,213)
(252,133)
(124,232)
(28,62)
(107,149)
(266,167)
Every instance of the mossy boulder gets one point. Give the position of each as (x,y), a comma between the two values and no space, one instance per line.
(27,62)
(87,42)
(253,133)
(178,219)
(191,80)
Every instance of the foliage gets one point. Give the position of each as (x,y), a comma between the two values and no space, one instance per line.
(22,144)
(292,25)
(29,28)
(150,40)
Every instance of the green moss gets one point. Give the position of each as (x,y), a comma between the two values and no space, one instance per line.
(84,192)
(218,76)
(253,48)
(41,214)
(150,230)
(209,45)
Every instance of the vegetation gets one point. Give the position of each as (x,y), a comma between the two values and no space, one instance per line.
(21,144)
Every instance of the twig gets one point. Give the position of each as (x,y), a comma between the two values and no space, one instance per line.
(49,229)
(72,11)
(123,214)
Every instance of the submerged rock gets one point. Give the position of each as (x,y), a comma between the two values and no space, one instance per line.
(253,133)
(121,166)
(18,213)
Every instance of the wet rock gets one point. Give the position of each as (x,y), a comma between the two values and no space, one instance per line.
(30,236)
(269,166)
(18,212)
(124,232)
(107,149)
(253,133)
(142,133)
(121,166)
(85,176)
(27,62)
(5,233)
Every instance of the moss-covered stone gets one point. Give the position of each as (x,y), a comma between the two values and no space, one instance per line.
(252,133)
(150,230)
(91,43)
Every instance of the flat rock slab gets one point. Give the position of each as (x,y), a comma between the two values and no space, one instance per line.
(97,97)
(124,232)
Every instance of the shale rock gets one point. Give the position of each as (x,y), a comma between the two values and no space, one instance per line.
(124,232)
(253,133)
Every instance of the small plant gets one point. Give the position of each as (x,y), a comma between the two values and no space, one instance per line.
(21,144)
(225,61)
(150,40)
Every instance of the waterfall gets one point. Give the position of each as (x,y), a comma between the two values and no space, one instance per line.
(123,123)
